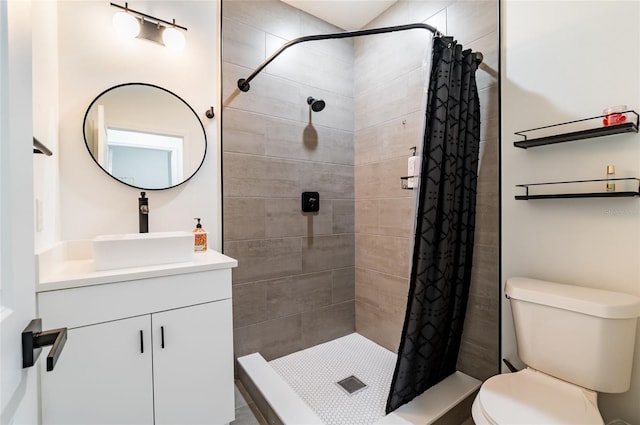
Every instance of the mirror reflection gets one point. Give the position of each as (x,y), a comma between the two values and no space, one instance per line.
(144,136)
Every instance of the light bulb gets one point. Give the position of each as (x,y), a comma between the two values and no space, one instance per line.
(126,24)
(173,39)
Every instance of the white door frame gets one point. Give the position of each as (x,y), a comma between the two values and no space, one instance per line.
(18,386)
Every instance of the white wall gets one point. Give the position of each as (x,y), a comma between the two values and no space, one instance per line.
(45,122)
(93,58)
(565,60)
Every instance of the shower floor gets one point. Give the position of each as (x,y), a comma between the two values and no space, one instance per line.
(313,374)
(302,387)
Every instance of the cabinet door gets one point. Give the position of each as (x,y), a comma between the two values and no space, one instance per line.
(193,372)
(104,376)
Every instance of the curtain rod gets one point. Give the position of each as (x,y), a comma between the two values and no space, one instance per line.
(243,83)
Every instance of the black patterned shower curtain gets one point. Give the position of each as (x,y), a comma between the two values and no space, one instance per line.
(445,221)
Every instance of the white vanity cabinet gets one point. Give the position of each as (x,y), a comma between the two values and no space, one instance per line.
(193,371)
(103,374)
(156,350)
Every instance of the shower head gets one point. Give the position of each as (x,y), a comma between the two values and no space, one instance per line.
(317,105)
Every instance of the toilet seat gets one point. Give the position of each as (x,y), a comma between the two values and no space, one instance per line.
(532,397)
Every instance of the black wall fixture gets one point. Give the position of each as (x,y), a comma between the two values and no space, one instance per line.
(39,147)
(33,339)
(310,202)
(243,83)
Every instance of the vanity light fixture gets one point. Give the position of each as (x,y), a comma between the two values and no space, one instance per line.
(131,23)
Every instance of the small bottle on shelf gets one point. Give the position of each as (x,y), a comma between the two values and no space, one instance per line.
(611,173)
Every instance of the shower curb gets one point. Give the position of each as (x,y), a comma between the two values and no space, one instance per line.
(277,401)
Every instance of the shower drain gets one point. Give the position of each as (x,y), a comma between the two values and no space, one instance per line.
(351,385)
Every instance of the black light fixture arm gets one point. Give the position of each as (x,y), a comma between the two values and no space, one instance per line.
(243,83)
(144,15)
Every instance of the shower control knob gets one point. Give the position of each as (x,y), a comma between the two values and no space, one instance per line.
(310,202)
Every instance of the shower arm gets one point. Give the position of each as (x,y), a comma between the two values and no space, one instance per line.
(243,83)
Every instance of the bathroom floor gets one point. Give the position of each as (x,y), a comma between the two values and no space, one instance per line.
(246,411)
(313,373)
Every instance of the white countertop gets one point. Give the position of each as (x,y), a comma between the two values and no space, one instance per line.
(69,264)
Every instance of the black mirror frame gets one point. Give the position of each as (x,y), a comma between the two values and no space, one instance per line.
(204,134)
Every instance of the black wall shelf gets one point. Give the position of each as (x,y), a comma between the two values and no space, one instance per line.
(617,194)
(627,127)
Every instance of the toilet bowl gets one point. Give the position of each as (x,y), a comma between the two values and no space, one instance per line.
(532,397)
(564,334)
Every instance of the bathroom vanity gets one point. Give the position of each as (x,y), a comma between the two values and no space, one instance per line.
(146,345)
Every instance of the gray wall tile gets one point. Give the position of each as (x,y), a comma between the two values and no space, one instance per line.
(382,262)
(265,258)
(275,148)
(327,252)
(308,141)
(371,324)
(343,285)
(244,218)
(243,44)
(343,216)
(257,176)
(297,294)
(285,218)
(310,67)
(422,10)
(272,16)
(387,294)
(328,323)
(269,95)
(396,216)
(366,210)
(291,150)
(386,254)
(331,180)
(273,338)
(487,74)
(249,303)
(244,132)
(380,179)
(470,20)
(390,139)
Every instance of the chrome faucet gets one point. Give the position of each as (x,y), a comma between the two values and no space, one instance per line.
(143,213)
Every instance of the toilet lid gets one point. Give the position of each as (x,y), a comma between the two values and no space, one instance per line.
(531,397)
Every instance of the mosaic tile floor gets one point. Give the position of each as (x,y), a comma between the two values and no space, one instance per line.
(313,373)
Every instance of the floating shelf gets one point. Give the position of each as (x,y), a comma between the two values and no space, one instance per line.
(617,194)
(627,127)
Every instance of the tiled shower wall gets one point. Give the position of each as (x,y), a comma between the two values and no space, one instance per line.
(294,284)
(390,80)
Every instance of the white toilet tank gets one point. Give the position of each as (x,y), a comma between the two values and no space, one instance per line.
(581,335)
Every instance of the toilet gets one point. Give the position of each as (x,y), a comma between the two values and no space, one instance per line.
(575,341)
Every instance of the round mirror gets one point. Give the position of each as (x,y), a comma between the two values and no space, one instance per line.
(144,136)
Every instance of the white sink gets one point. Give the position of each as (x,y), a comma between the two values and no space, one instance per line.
(141,249)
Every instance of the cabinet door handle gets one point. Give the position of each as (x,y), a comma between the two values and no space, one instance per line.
(141,342)
(161,336)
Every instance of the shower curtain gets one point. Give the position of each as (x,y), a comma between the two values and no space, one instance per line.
(445,221)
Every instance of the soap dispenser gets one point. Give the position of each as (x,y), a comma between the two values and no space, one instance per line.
(200,238)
